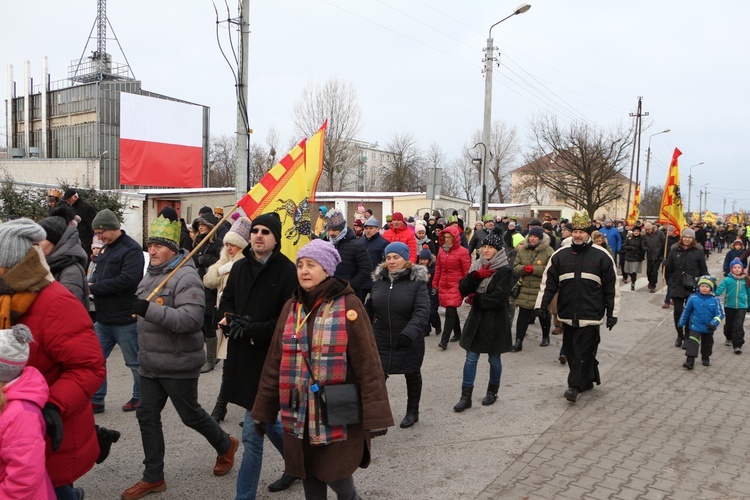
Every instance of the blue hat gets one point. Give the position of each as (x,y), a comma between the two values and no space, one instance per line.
(734,262)
(399,248)
(425,254)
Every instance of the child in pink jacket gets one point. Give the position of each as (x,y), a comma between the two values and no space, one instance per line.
(23,471)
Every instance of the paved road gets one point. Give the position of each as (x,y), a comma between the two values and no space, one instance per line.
(651,430)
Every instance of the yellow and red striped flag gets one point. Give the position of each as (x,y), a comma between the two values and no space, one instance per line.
(636,209)
(286,189)
(671,211)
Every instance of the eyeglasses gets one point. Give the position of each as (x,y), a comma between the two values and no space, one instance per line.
(264,232)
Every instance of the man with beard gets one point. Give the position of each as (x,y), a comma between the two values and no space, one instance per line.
(585,276)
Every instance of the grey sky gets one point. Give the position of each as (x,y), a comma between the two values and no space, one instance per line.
(416,65)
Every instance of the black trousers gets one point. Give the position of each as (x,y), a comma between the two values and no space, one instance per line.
(652,271)
(679,306)
(699,341)
(525,318)
(452,324)
(580,345)
(734,329)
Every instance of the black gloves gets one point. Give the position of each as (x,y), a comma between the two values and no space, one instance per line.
(140,307)
(260,428)
(51,414)
(611,322)
(241,326)
(403,342)
(541,313)
(711,327)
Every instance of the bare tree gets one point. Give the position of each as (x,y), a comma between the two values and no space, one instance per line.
(581,165)
(651,201)
(504,149)
(336,101)
(222,152)
(260,160)
(530,188)
(405,170)
(462,181)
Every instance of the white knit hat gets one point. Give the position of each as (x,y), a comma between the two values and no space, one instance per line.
(14,351)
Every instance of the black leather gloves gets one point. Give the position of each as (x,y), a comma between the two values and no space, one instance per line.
(51,414)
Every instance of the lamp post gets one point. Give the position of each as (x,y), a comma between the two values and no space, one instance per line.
(648,156)
(690,184)
(489,60)
(724,211)
(479,162)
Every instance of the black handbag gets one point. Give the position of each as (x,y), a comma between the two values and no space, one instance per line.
(340,404)
(688,281)
(515,290)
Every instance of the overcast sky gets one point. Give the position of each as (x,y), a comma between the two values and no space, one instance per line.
(416,65)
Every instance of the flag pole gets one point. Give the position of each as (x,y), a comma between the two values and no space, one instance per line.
(189,256)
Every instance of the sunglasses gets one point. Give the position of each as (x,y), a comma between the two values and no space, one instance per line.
(264,232)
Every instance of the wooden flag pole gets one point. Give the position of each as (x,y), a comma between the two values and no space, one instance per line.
(189,256)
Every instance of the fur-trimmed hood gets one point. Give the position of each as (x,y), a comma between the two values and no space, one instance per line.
(418,273)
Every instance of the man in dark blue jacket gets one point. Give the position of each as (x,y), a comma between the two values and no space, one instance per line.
(375,245)
(119,269)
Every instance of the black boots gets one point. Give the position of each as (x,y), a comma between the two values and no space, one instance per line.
(689,362)
(491,396)
(413,395)
(545,341)
(571,394)
(518,345)
(106,438)
(465,401)
(220,408)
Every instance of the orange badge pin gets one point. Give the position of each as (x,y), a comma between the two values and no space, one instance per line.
(159,301)
(351,315)
(539,263)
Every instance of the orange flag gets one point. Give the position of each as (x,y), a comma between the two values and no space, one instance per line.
(635,210)
(286,189)
(671,211)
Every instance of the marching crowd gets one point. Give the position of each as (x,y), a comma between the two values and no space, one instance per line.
(308,344)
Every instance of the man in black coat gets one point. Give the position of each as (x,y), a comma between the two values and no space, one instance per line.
(355,265)
(375,245)
(86,213)
(257,289)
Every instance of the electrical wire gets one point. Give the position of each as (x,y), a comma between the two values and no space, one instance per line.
(243,110)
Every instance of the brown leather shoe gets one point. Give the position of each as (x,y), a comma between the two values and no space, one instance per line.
(225,462)
(142,488)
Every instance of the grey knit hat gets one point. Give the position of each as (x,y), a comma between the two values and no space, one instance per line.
(104,220)
(335,220)
(14,351)
(16,238)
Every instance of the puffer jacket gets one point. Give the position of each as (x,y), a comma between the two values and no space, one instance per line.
(355,266)
(682,261)
(404,235)
(530,283)
(736,252)
(450,268)
(634,249)
(22,428)
(170,340)
(586,279)
(702,310)
(67,262)
(119,269)
(400,308)
(737,289)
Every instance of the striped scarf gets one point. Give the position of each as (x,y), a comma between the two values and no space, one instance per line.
(327,357)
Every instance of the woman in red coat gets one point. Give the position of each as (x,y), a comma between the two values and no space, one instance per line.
(65,350)
(453,262)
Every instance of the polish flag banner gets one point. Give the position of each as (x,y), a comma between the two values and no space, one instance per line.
(161,142)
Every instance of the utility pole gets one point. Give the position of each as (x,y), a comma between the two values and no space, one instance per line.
(636,158)
(243,125)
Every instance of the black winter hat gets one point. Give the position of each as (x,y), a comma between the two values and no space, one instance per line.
(169,213)
(205,210)
(69,193)
(493,240)
(54,226)
(208,219)
(273,222)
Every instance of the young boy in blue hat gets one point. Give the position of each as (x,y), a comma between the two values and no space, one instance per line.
(704,312)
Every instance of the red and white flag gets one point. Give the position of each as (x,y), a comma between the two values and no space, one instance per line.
(161,142)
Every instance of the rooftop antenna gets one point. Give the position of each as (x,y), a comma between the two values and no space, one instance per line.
(99,66)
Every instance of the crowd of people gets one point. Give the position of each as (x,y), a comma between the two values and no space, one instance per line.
(307,345)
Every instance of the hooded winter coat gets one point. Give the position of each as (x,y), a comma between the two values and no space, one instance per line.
(170,339)
(737,289)
(735,252)
(67,353)
(683,261)
(339,459)
(451,267)
(530,283)
(22,429)
(702,310)
(401,307)
(258,290)
(487,328)
(67,263)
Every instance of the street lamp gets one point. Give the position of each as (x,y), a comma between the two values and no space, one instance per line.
(486,126)
(690,184)
(724,211)
(479,162)
(648,156)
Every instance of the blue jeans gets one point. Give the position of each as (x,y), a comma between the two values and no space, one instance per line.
(66,492)
(470,368)
(126,336)
(252,456)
